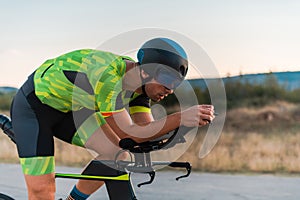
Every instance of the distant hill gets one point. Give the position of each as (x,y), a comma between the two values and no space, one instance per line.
(4,90)
(289,80)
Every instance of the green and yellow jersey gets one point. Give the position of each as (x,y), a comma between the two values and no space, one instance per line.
(87,79)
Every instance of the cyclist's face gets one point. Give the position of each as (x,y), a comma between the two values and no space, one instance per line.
(156,91)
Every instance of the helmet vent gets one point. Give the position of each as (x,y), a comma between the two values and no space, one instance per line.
(182,70)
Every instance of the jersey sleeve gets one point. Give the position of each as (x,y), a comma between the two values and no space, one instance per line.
(109,85)
(139,103)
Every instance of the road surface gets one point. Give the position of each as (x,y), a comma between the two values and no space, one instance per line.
(199,186)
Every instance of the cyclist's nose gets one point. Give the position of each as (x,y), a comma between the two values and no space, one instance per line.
(169,91)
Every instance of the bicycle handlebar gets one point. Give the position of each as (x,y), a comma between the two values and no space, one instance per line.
(141,151)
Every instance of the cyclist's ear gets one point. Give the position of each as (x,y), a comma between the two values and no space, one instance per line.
(144,74)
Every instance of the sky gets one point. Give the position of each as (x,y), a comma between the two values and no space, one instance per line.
(239,36)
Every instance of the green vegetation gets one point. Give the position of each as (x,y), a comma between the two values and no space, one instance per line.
(247,94)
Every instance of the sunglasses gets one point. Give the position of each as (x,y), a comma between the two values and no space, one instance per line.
(168,78)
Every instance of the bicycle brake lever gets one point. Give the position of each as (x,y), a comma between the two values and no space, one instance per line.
(185,165)
(186,175)
(152,176)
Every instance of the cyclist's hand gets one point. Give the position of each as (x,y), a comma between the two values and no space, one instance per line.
(199,115)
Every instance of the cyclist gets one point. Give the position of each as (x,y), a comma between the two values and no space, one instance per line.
(92,99)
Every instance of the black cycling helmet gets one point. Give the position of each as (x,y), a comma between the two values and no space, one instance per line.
(164,60)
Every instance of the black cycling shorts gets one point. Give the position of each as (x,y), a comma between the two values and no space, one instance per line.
(35,124)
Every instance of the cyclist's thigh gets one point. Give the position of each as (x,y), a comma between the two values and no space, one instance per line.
(70,123)
(26,127)
(32,123)
(82,128)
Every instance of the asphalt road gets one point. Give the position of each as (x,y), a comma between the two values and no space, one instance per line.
(199,186)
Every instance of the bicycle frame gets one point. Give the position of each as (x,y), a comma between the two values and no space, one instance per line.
(118,183)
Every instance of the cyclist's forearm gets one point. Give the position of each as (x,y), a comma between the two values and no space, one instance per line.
(123,126)
(153,129)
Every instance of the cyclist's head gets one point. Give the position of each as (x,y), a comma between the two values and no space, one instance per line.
(164,60)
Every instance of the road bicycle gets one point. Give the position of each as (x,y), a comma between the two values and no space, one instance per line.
(116,173)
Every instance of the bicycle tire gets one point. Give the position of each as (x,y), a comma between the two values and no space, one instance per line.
(5,197)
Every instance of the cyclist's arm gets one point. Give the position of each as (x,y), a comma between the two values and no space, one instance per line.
(143,130)
(124,127)
(140,109)
(113,131)
(142,118)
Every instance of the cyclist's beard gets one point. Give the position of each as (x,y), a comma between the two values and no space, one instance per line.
(144,81)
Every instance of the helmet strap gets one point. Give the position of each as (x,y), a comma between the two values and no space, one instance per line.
(144,81)
(144,89)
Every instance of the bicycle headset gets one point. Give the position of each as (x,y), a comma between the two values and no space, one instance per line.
(164,60)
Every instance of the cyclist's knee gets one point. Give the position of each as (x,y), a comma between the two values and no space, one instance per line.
(41,187)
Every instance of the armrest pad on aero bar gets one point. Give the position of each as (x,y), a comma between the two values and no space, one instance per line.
(127,143)
(173,137)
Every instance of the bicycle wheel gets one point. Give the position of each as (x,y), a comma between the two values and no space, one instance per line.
(5,197)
